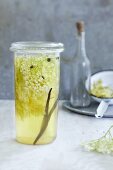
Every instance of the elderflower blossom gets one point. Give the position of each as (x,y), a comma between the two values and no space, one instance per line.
(102,145)
(34,76)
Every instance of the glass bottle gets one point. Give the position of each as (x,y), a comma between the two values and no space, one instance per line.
(37,71)
(80,72)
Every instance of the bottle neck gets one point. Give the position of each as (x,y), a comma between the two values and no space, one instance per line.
(81,50)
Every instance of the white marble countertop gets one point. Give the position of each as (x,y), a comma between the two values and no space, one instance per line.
(65,153)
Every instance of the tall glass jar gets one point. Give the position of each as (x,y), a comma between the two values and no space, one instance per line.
(37,71)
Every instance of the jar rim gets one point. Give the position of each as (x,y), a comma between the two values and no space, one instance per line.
(36,46)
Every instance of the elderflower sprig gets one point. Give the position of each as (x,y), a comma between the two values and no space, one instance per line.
(99,90)
(101,145)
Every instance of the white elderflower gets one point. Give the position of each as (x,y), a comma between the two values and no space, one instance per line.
(101,145)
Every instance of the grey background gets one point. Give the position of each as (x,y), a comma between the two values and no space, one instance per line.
(54,20)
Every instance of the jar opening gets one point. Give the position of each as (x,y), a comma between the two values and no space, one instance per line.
(37,46)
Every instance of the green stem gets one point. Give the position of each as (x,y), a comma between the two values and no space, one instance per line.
(47,103)
(47,117)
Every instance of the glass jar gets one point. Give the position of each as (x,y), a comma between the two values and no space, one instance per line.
(37,71)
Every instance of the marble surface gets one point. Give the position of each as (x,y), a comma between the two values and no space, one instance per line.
(65,153)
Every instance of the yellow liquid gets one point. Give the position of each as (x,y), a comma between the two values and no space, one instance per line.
(36,80)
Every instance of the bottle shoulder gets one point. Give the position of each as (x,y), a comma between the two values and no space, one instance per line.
(78,59)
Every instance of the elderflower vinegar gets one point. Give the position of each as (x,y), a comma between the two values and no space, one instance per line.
(36,91)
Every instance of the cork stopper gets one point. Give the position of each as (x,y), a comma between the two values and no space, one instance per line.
(80,27)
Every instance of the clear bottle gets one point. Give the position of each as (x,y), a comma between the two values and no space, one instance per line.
(80,72)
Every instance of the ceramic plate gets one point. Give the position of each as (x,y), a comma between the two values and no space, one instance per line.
(88,111)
